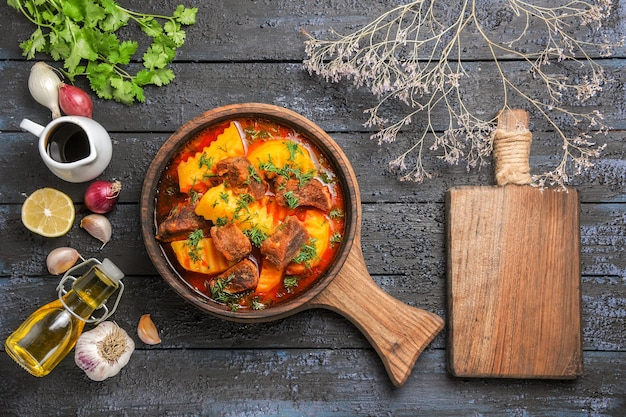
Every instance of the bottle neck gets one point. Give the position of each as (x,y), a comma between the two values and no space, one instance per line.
(77,305)
(89,292)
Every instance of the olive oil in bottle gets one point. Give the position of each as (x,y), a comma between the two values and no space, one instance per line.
(51,332)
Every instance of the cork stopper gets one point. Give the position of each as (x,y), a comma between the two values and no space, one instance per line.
(511,148)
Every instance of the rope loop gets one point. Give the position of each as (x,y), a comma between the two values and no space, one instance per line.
(511,152)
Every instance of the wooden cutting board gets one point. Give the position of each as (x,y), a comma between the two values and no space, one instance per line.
(514,296)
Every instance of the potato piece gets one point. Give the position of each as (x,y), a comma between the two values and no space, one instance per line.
(269,278)
(209,260)
(278,154)
(319,228)
(220,205)
(195,171)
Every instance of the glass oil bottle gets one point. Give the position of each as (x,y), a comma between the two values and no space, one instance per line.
(51,332)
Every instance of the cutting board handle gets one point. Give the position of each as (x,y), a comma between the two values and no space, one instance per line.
(397,331)
(511,148)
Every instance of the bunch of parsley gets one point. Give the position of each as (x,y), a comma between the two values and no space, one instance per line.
(81,33)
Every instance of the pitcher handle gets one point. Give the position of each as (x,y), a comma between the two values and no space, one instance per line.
(32,127)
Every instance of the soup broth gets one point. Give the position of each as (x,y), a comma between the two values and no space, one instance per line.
(249,213)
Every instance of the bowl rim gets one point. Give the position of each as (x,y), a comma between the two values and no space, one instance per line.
(329,148)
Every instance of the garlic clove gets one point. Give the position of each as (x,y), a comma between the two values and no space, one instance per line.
(103,351)
(43,84)
(61,259)
(147,331)
(97,226)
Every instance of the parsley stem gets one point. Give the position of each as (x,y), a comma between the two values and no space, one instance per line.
(36,19)
(137,16)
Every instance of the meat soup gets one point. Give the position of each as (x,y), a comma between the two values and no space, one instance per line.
(249,213)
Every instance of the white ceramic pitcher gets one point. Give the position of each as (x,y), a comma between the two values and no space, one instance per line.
(75,148)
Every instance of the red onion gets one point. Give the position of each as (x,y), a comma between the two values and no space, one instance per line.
(74,101)
(101,196)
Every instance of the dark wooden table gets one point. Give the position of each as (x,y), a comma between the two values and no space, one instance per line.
(314,363)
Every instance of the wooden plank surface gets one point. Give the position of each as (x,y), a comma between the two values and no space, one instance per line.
(514,289)
(306,382)
(315,363)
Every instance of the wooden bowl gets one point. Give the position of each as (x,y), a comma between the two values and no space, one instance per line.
(397,331)
(186,132)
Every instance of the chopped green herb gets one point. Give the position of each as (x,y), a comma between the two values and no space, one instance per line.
(287,171)
(335,238)
(336,213)
(257,134)
(208,175)
(308,252)
(222,221)
(256,304)
(244,200)
(219,293)
(206,161)
(269,166)
(242,204)
(303,177)
(253,175)
(327,177)
(256,236)
(291,199)
(194,196)
(290,282)
(192,243)
(294,149)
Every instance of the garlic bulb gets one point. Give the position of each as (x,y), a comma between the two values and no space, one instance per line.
(147,331)
(43,84)
(61,259)
(103,351)
(97,226)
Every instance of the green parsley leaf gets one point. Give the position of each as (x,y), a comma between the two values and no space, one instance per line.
(185,15)
(175,33)
(82,34)
(150,26)
(73,10)
(36,43)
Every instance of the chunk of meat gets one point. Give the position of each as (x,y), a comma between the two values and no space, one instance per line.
(231,242)
(180,222)
(239,278)
(312,193)
(285,243)
(240,176)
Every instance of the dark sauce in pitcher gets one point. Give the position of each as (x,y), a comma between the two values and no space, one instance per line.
(68,143)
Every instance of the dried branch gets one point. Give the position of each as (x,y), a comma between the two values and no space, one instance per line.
(413,53)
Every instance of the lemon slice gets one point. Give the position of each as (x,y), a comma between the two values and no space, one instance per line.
(48,212)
